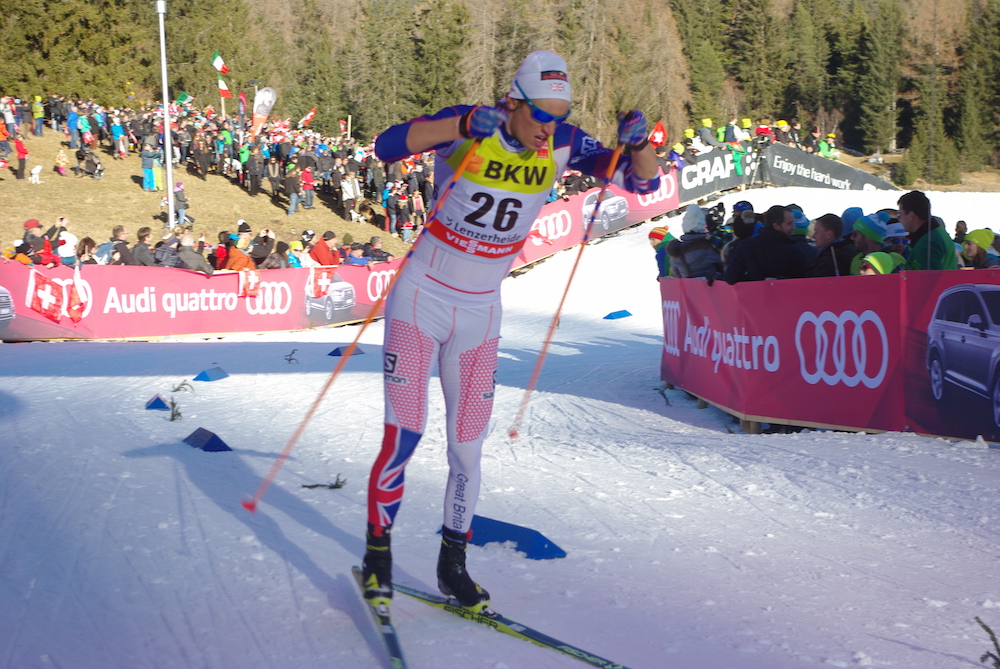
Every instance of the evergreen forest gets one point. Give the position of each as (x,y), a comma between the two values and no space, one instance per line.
(883,74)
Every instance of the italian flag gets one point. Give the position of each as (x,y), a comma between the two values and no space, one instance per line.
(218,63)
(224,90)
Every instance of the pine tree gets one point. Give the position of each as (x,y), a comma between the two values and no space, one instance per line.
(195,30)
(758,54)
(845,62)
(807,57)
(381,86)
(914,163)
(976,131)
(707,78)
(878,76)
(440,35)
(932,154)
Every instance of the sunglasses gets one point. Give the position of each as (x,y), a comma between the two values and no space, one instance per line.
(540,115)
(904,241)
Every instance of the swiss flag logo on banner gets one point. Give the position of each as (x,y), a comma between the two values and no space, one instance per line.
(321,279)
(249,283)
(659,135)
(45,296)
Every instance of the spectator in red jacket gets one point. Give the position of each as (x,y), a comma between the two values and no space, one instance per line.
(325,252)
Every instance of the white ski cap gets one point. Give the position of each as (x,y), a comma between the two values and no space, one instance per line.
(542,76)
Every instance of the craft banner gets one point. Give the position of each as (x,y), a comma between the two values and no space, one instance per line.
(917,351)
(787,166)
(779,165)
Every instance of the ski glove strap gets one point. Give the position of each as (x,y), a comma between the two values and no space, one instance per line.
(481,122)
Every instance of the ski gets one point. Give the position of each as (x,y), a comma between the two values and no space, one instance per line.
(385,628)
(507,626)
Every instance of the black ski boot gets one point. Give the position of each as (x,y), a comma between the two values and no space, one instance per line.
(376,570)
(453,580)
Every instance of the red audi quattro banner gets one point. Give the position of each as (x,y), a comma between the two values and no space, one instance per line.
(113,302)
(809,351)
(918,351)
(561,224)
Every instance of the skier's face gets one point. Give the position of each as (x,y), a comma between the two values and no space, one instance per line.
(525,129)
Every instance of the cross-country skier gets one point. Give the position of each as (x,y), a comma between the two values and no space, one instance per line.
(445,306)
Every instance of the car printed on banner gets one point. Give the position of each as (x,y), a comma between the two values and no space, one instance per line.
(6,307)
(339,295)
(963,343)
(613,208)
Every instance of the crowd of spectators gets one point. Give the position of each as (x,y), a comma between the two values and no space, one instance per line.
(783,243)
(741,136)
(296,164)
(180,248)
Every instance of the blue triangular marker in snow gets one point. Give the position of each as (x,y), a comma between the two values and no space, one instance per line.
(213,374)
(341,350)
(617,314)
(157,403)
(206,441)
(532,543)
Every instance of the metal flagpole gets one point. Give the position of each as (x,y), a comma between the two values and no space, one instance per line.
(168,143)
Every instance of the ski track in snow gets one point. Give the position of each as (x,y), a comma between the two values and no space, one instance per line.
(688,546)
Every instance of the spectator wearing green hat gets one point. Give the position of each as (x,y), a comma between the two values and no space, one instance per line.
(881,262)
(868,235)
(975,249)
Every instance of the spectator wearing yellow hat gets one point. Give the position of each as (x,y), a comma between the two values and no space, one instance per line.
(828,146)
(707,135)
(881,262)
(38,116)
(975,250)
(781,129)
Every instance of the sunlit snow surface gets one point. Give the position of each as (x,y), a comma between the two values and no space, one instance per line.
(688,546)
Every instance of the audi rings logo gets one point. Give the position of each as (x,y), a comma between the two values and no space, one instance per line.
(668,186)
(272,298)
(832,361)
(672,327)
(552,227)
(379,282)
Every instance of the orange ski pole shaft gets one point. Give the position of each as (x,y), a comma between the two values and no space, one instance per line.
(514,431)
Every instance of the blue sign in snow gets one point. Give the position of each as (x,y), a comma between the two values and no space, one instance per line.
(157,404)
(213,374)
(342,350)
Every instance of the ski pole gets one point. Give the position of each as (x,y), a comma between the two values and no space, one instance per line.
(251,504)
(513,432)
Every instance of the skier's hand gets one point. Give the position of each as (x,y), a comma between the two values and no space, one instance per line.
(631,127)
(481,122)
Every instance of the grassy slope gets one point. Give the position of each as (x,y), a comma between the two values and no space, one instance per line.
(95,207)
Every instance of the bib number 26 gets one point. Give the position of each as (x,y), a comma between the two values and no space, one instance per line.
(505,212)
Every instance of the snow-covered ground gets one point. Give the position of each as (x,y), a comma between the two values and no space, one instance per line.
(690,545)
